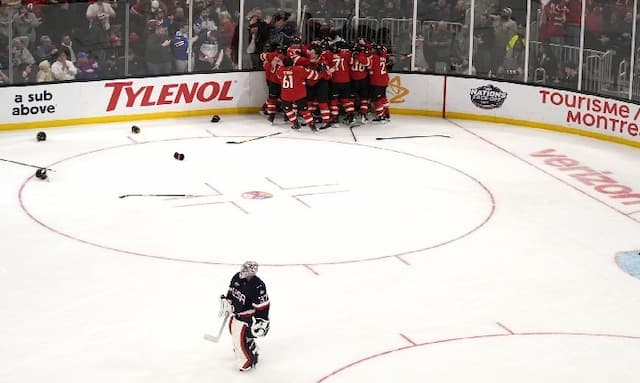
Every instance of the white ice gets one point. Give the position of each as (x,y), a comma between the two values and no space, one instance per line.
(461,259)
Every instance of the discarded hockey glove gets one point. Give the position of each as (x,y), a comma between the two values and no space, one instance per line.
(259,327)
(225,306)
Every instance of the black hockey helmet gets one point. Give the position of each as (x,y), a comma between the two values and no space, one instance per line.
(287,62)
(270,46)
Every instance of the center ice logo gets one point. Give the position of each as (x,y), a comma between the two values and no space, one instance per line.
(487,96)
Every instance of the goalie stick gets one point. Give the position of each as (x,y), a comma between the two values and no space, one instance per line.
(216,338)
(253,139)
(397,137)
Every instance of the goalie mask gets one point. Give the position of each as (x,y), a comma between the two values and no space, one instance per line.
(248,269)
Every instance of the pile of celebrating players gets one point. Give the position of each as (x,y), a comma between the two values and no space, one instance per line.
(326,80)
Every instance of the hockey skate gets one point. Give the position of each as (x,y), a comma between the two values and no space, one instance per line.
(380,119)
(349,119)
(326,126)
(271,117)
(313,128)
(295,125)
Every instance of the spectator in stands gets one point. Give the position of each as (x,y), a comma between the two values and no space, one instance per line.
(216,8)
(258,35)
(513,64)
(226,29)
(437,50)
(135,65)
(99,15)
(25,24)
(484,47)
(181,45)
(544,65)
(594,28)
(63,69)
(51,16)
(460,44)
(555,12)
(573,23)
(88,68)
(505,28)
(439,10)
(210,54)
(46,50)
(20,54)
(67,44)
(321,10)
(44,73)
(158,55)
(459,12)
(204,23)
(570,78)
(420,62)
(158,17)
(284,29)
(345,8)
(24,74)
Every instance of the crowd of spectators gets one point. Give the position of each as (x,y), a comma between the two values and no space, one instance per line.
(58,40)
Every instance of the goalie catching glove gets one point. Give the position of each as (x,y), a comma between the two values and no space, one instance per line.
(225,306)
(259,327)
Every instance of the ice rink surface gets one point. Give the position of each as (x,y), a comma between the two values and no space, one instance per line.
(488,256)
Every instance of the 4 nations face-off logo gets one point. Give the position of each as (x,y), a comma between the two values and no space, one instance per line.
(396,91)
(487,96)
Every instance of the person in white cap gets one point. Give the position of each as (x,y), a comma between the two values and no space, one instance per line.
(247,303)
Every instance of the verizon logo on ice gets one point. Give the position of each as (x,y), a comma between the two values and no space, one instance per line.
(179,93)
(600,181)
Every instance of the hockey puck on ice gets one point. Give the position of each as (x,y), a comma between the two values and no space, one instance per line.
(41,174)
(215,118)
(41,136)
(135,129)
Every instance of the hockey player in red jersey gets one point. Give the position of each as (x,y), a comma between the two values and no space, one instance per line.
(318,90)
(360,64)
(340,90)
(378,81)
(294,91)
(247,302)
(271,59)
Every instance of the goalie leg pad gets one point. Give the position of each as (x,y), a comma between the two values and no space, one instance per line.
(240,333)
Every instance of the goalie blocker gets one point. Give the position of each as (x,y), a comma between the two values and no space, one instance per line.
(248,303)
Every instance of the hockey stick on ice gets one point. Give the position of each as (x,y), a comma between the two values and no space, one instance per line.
(396,137)
(23,164)
(253,139)
(353,134)
(158,195)
(216,338)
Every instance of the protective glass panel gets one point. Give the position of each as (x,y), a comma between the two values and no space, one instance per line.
(608,43)
(443,36)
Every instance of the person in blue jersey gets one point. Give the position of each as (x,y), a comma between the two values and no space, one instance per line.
(247,302)
(181,47)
